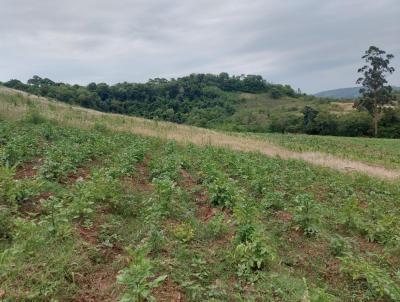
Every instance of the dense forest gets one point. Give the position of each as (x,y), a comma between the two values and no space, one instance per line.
(214,101)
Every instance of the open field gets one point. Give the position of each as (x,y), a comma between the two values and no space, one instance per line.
(90,211)
(383,152)
(14,105)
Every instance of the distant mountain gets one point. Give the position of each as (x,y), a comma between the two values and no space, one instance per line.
(344,93)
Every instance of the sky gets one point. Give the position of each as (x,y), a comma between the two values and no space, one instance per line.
(313,45)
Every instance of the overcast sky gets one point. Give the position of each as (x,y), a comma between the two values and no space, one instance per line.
(310,44)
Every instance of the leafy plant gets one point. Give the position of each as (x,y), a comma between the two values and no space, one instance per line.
(184,232)
(138,277)
(223,192)
(253,254)
(274,200)
(377,279)
(307,214)
(338,245)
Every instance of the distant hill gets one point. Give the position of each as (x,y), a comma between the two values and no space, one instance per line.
(343,93)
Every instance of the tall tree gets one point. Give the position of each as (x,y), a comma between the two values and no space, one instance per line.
(375,93)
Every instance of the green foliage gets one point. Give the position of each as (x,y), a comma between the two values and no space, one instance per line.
(34,117)
(6,223)
(274,200)
(216,227)
(163,202)
(338,246)
(184,232)
(253,254)
(223,192)
(8,193)
(137,277)
(307,214)
(377,279)
(375,93)
(55,247)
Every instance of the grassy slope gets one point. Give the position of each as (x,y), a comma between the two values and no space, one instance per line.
(384,152)
(206,215)
(14,105)
(221,225)
(256,110)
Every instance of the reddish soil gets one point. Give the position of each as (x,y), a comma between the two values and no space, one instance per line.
(371,247)
(81,173)
(168,291)
(284,216)
(34,204)
(205,212)
(141,179)
(332,273)
(88,234)
(99,284)
(187,180)
(27,170)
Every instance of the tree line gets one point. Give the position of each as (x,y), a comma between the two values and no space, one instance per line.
(197,99)
(213,101)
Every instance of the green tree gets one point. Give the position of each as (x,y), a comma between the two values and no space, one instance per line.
(375,94)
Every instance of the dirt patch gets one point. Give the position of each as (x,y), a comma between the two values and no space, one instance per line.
(89,235)
(141,179)
(97,286)
(99,283)
(366,246)
(205,212)
(169,291)
(187,180)
(284,216)
(27,170)
(33,205)
(332,273)
(81,174)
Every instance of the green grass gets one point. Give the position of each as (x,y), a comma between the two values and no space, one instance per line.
(108,215)
(383,152)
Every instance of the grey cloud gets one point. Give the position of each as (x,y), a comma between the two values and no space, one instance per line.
(310,44)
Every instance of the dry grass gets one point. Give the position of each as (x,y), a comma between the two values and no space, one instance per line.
(16,107)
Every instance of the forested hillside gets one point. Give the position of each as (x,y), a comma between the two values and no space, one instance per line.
(235,103)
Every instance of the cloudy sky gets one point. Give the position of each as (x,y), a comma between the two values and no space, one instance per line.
(311,44)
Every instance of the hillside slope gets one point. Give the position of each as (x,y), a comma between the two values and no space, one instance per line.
(105,207)
(15,104)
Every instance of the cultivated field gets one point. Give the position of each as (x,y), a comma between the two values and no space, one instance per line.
(360,155)
(101,207)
